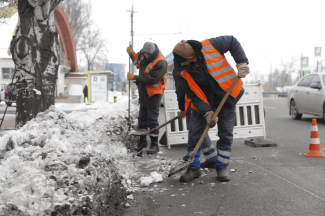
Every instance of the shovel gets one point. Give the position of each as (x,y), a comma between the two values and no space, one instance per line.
(182,167)
(144,133)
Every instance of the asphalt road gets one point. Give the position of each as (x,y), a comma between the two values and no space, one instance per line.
(267,181)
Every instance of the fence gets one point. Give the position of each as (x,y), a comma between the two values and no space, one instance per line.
(249,117)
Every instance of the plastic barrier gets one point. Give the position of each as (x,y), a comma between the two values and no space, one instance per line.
(249,117)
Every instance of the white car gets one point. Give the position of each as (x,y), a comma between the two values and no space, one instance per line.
(307,96)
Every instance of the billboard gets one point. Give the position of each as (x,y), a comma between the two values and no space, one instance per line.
(98,87)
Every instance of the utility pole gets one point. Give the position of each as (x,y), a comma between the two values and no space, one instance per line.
(132,33)
(130,70)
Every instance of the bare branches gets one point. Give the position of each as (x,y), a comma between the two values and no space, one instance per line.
(93,47)
(87,37)
(287,69)
(79,16)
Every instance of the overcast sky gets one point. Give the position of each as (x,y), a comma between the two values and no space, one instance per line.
(269,31)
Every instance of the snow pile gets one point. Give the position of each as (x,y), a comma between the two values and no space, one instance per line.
(63,163)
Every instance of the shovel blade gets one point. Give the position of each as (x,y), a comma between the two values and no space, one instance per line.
(179,169)
(139,133)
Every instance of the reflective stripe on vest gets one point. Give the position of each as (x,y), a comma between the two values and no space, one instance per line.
(159,87)
(219,68)
(194,87)
(136,60)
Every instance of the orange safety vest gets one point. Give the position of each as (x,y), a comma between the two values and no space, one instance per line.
(195,88)
(187,103)
(160,86)
(220,69)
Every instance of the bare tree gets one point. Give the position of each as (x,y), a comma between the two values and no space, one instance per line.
(288,69)
(35,52)
(93,49)
(79,16)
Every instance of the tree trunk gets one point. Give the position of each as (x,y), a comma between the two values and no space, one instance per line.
(35,52)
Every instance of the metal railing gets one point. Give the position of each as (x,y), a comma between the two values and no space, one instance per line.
(275,94)
(66,63)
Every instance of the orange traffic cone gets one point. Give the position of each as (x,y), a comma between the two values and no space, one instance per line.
(314,146)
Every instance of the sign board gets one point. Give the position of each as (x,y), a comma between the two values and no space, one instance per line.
(318,51)
(98,87)
(305,72)
(304,61)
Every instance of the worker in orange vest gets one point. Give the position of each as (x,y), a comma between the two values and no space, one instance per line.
(151,85)
(203,74)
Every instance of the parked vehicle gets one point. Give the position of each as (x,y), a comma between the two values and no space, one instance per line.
(2,91)
(307,96)
(10,94)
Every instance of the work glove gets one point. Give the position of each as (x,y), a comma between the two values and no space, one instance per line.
(129,50)
(243,69)
(181,114)
(130,76)
(208,117)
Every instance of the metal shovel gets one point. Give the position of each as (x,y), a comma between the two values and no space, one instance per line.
(144,133)
(182,167)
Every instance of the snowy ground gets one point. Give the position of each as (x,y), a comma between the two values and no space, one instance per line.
(62,162)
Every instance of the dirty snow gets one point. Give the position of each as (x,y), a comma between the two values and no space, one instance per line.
(51,148)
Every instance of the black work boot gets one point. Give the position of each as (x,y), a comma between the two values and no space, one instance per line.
(141,144)
(154,145)
(208,164)
(222,174)
(190,174)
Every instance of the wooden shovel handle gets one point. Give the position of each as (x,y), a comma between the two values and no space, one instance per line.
(160,126)
(215,115)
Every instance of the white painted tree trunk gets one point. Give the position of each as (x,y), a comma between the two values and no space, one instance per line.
(35,52)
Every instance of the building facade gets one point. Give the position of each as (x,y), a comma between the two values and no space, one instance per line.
(119,76)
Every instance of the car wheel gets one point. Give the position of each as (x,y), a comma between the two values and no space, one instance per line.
(293,111)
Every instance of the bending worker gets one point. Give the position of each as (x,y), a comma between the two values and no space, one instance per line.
(203,74)
(151,85)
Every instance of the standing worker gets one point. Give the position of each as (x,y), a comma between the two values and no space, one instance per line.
(151,85)
(204,75)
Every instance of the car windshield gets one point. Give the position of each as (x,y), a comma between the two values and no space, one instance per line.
(11,86)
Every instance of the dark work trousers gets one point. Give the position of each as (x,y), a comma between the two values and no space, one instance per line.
(226,121)
(148,118)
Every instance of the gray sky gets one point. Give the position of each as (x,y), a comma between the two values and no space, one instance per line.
(269,31)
